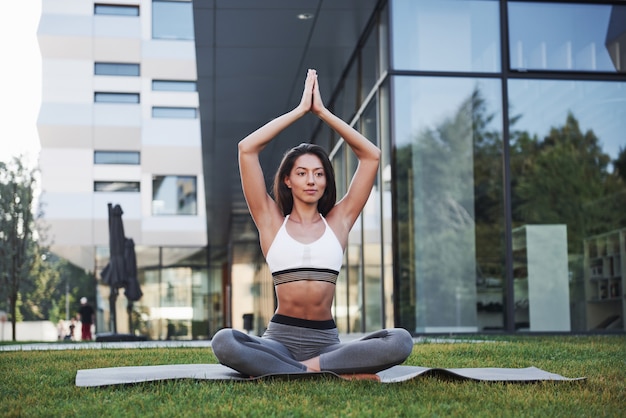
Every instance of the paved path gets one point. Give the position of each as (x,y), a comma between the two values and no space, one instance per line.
(176,344)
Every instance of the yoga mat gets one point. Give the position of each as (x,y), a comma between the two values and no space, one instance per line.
(136,374)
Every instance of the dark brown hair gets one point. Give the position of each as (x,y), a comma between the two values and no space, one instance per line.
(282,193)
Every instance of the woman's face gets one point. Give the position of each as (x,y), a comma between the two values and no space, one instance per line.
(307,179)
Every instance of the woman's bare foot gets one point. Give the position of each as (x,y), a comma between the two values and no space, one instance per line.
(312,364)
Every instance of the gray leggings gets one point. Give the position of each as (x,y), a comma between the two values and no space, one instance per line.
(282,347)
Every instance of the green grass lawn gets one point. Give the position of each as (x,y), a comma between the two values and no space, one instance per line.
(41,384)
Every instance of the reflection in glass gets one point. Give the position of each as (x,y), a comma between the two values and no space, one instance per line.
(369,65)
(568,37)
(540,279)
(372,252)
(446,35)
(386,206)
(449,232)
(567,166)
(341,302)
(346,104)
(176,301)
(116,186)
(354,265)
(174,195)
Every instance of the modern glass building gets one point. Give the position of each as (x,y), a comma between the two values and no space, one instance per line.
(499,202)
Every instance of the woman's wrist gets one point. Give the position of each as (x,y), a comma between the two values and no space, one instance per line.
(323,113)
(299,111)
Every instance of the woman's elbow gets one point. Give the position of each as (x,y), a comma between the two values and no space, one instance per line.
(243,147)
(375,154)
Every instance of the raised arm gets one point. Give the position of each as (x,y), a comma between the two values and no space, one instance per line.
(368,155)
(262,207)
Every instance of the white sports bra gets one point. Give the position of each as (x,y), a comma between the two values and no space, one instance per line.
(290,260)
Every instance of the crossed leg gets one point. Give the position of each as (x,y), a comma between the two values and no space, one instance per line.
(256,356)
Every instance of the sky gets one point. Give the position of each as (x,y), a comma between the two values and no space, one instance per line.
(20,80)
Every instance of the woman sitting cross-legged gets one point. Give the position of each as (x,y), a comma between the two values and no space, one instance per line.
(303,235)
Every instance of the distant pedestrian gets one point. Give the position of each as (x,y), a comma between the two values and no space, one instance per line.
(71,336)
(87,317)
(61,332)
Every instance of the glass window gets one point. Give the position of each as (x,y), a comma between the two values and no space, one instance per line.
(446,35)
(173,85)
(100,97)
(174,195)
(567,37)
(172,20)
(116,186)
(341,308)
(354,264)
(372,250)
(386,205)
(116,157)
(568,168)
(175,112)
(369,65)
(449,209)
(346,104)
(383,39)
(115,10)
(120,69)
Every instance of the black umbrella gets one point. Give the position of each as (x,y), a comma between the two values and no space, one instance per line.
(121,271)
(133,290)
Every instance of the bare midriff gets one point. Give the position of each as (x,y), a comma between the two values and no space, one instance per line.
(306,299)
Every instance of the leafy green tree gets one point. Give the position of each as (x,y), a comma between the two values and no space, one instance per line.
(17,228)
(55,289)
(39,293)
(566,178)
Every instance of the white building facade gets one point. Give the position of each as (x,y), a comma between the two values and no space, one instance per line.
(119,124)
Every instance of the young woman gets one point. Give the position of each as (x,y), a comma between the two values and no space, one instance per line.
(303,235)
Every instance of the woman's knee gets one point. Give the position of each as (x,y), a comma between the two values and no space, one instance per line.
(223,343)
(402,341)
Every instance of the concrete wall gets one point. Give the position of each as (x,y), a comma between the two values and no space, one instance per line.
(29,331)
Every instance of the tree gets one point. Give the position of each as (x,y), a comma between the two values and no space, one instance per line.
(565,178)
(17,226)
(56,285)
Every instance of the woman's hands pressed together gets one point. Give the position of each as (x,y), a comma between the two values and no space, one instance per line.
(311,98)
